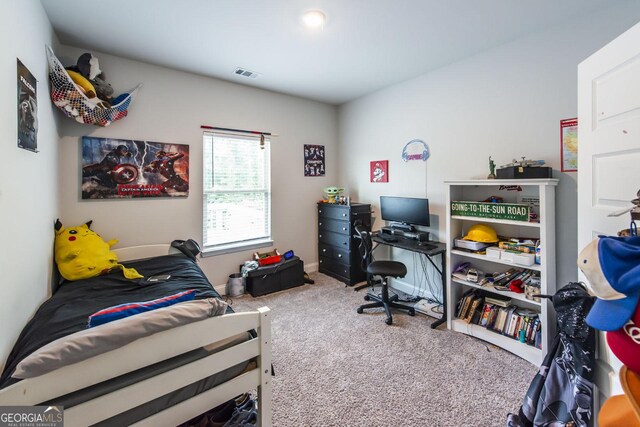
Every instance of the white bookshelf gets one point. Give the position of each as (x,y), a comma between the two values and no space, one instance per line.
(544,230)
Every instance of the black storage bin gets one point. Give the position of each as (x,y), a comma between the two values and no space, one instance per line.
(276,277)
(518,172)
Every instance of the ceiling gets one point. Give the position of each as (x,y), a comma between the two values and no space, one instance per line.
(365,45)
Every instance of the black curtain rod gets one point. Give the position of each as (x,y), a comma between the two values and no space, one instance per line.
(237,130)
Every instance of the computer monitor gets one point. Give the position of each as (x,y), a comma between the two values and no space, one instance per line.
(405,210)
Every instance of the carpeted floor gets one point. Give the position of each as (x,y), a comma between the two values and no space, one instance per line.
(335,367)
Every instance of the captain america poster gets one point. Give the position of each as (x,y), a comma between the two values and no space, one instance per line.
(123,168)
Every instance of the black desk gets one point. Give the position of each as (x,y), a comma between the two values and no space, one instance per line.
(429,253)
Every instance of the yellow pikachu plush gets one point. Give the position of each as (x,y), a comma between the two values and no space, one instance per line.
(81,253)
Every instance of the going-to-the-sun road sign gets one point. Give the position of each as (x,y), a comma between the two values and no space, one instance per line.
(508,211)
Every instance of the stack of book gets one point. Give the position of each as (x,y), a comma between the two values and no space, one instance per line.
(495,313)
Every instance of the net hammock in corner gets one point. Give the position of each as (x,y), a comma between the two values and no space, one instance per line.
(75,104)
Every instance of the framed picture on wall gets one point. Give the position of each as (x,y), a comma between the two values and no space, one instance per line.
(126,169)
(569,144)
(27,109)
(379,171)
(314,160)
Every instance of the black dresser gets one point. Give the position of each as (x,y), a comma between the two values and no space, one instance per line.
(338,252)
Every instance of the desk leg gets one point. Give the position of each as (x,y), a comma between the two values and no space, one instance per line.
(443,274)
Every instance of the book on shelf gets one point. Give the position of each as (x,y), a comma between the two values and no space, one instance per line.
(461,303)
(485,314)
(477,315)
(500,300)
(464,306)
(472,310)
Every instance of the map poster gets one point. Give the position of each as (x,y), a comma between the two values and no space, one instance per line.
(313,160)
(127,169)
(27,109)
(569,144)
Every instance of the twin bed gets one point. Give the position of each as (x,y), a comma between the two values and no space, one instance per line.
(162,379)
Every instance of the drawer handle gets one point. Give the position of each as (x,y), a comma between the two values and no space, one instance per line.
(320,261)
(344,228)
(320,210)
(324,250)
(339,255)
(344,243)
(344,214)
(321,236)
(320,224)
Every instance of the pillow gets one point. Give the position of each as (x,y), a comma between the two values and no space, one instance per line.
(101,339)
(129,309)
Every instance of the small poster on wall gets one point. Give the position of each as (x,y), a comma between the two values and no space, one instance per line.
(313,160)
(569,144)
(379,171)
(27,109)
(123,168)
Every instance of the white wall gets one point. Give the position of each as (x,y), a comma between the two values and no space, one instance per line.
(506,103)
(171,107)
(28,185)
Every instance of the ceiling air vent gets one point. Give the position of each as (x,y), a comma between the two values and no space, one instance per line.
(246,73)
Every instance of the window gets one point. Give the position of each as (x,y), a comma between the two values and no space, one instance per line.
(236,192)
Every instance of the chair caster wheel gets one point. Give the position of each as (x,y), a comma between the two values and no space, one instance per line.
(412,312)
(359,310)
(367,298)
(388,321)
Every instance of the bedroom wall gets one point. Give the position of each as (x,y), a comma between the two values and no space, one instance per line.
(506,102)
(171,107)
(28,184)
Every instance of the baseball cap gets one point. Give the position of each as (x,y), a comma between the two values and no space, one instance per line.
(612,267)
(625,342)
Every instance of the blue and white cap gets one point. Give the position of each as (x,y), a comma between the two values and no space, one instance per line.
(612,267)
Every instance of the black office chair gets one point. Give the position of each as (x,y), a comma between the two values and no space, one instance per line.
(384,269)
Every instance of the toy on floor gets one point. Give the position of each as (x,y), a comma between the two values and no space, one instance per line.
(81,253)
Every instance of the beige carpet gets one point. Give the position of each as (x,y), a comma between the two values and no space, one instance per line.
(335,367)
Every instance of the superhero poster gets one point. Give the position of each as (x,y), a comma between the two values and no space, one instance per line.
(124,168)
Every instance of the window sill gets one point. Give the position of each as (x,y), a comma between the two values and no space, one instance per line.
(236,247)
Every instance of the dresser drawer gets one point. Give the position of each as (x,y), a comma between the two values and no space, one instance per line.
(333,252)
(334,212)
(342,227)
(334,239)
(335,267)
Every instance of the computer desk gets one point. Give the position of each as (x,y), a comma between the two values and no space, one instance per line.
(437,248)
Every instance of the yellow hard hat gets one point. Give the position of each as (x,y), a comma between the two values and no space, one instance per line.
(482,233)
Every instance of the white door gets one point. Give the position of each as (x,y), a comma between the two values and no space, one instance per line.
(608,154)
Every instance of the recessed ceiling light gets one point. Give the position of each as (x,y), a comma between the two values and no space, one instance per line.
(314,19)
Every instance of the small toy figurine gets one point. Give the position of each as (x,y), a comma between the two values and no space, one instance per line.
(492,169)
(332,193)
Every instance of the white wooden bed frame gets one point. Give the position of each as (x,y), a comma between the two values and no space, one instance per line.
(156,348)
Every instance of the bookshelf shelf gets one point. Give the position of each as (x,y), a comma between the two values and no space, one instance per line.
(527,352)
(512,295)
(534,267)
(544,191)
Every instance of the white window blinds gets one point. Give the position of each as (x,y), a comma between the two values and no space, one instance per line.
(237,190)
